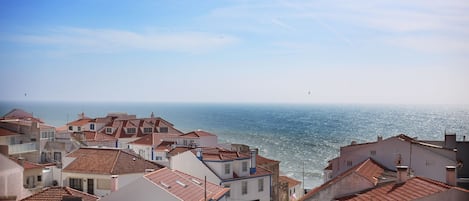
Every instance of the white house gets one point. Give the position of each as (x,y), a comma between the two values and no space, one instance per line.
(295,191)
(423,159)
(98,171)
(230,169)
(11,180)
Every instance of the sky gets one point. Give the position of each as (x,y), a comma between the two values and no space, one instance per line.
(360,51)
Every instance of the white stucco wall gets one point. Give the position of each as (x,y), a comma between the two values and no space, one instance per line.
(187,162)
(253,190)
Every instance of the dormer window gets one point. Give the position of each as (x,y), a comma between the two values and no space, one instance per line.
(109,130)
(163,129)
(79,128)
(131,130)
(227,168)
(70,128)
(147,130)
(92,127)
(245,166)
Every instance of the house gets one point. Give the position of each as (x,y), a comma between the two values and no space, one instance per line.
(231,169)
(32,174)
(294,189)
(58,193)
(94,138)
(423,159)
(365,175)
(98,171)
(11,180)
(170,185)
(413,188)
(199,138)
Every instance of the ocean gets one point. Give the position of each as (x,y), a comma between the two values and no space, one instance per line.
(299,135)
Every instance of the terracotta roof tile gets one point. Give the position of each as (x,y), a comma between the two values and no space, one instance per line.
(263,160)
(107,161)
(27,164)
(413,188)
(6,132)
(165,145)
(368,169)
(198,134)
(57,193)
(184,186)
(145,140)
(220,154)
(291,182)
(79,122)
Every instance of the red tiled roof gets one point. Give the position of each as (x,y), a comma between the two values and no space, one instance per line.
(220,154)
(21,114)
(260,160)
(291,182)
(6,132)
(57,193)
(413,188)
(27,164)
(145,140)
(368,169)
(79,122)
(184,186)
(165,145)
(107,161)
(198,134)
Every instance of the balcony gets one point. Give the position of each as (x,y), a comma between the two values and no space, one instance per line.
(22,148)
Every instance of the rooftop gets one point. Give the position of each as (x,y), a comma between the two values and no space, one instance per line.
(6,132)
(27,165)
(107,161)
(291,182)
(197,134)
(220,154)
(184,186)
(413,188)
(145,140)
(57,193)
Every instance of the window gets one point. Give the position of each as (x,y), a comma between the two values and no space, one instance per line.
(244,187)
(349,163)
(373,152)
(58,156)
(92,127)
(109,130)
(79,128)
(260,185)
(70,128)
(227,168)
(39,178)
(228,193)
(131,130)
(245,166)
(163,129)
(158,158)
(76,184)
(147,130)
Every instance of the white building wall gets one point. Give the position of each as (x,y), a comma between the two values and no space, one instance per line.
(297,191)
(350,184)
(238,167)
(253,190)
(187,162)
(424,161)
(143,150)
(219,169)
(208,141)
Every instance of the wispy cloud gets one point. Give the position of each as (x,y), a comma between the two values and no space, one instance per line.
(113,40)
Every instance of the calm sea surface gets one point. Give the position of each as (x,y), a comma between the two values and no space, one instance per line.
(293,134)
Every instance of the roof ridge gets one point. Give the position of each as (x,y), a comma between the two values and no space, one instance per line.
(433,182)
(115,161)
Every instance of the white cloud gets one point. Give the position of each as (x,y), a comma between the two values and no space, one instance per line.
(112,40)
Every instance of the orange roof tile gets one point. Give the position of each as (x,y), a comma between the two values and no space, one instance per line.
(197,134)
(57,193)
(6,132)
(165,145)
(80,122)
(27,164)
(184,186)
(413,188)
(291,182)
(260,160)
(368,169)
(107,161)
(220,154)
(145,140)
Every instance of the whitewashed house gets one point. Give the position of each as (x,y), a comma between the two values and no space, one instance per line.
(230,169)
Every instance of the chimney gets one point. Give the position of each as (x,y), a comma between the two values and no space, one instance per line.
(380,138)
(199,153)
(152,115)
(451,175)
(450,141)
(114,183)
(402,173)
(253,161)
(21,161)
(463,138)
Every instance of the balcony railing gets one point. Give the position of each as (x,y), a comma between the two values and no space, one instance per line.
(22,148)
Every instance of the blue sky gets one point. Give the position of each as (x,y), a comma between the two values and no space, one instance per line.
(401,52)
